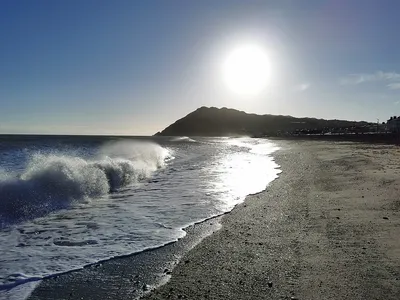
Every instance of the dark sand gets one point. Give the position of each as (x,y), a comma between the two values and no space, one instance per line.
(328,228)
(126,277)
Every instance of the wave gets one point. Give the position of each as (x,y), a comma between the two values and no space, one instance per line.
(182,139)
(52,181)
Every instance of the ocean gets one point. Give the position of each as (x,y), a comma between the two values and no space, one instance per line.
(70,201)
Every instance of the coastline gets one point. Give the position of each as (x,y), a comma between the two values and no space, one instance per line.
(128,276)
(327,228)
(373,138)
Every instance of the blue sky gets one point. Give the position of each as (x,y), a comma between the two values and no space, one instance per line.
(134,67)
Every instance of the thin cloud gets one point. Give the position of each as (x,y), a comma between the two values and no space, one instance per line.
(396,103)
(302,87)
(354,79)
(394,86)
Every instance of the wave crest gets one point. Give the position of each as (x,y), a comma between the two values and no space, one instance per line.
(52,181)
(182,139)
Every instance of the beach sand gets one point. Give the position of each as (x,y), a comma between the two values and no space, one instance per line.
(328,228)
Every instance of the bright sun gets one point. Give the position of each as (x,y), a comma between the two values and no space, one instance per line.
(246,70)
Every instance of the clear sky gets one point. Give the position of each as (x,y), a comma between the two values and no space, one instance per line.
(134,67)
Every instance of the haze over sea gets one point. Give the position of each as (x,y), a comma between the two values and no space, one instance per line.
(70,201)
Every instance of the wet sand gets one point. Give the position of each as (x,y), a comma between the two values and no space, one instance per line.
(328,228)
(128,277)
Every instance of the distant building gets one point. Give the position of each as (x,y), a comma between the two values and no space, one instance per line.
(393,124)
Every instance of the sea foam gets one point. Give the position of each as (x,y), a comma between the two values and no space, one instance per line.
(117,201)
(52,181)
(182,139)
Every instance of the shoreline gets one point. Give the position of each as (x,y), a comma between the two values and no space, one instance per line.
(189,228)
(374,138)
(327,228)
(153,268)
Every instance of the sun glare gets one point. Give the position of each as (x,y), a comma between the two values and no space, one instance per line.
(246,70)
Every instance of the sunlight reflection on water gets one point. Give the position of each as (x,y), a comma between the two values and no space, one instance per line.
(205,177)
(245,172)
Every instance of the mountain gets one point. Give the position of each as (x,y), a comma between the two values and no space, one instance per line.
(212,121)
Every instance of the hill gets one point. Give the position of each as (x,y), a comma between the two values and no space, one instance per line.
(212,121)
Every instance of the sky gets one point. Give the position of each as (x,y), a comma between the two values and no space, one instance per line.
(134,67)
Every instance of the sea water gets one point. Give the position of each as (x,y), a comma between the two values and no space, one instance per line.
(66,202)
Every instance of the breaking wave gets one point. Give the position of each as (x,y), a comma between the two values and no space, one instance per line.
(183,139)
(52,181)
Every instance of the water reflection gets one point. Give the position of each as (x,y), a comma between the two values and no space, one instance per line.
(240,173)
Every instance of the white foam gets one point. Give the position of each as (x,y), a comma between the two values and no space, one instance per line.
(87,224)
(183,139)
(52,181)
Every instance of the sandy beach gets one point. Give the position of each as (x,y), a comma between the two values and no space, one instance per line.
(328,228)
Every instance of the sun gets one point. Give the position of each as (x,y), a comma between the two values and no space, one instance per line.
(246,70)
